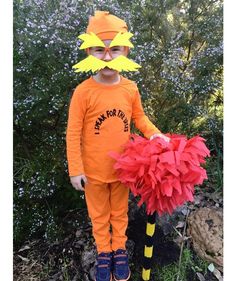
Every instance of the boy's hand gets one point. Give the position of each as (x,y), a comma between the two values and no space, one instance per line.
(76,181)
(165,138)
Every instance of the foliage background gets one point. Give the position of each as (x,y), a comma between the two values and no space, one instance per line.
(180,47)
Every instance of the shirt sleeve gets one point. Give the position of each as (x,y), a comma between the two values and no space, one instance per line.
(141,121)
(77,112)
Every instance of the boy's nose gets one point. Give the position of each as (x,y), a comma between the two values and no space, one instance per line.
(107,56)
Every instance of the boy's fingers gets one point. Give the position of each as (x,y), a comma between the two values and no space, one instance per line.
(167,139)
(84,179)
(78,187)
(79,182)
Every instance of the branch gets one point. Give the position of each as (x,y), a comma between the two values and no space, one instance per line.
(182,244)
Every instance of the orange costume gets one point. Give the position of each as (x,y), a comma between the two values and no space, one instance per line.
(99,122)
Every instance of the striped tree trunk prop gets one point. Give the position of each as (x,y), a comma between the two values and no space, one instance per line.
(148,248)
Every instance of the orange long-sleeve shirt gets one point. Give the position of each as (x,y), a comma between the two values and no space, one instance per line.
(99,122)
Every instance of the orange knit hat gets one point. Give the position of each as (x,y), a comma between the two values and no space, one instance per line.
(106,26)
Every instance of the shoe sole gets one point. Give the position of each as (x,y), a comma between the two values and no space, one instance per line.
(110,279)
(123,279)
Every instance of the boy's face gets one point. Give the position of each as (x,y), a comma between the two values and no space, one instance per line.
(107,54)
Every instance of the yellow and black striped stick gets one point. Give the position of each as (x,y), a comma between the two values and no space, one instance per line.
(148,248)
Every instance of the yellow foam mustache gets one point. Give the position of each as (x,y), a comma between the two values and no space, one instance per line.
(94,64)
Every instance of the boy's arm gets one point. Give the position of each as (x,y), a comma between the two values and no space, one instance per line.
(141,121)
(77,111)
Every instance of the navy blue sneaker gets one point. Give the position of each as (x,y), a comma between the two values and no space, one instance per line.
(103,267)
(121,271)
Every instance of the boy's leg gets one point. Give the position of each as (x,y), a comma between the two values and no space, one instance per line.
(119,217)
(97,197)
(119,222)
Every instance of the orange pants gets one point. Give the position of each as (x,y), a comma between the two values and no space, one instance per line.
(107,208)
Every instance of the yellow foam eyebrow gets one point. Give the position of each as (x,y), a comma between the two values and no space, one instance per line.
(122,39)
(90,40)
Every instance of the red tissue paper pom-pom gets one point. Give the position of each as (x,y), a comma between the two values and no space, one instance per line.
(163,174)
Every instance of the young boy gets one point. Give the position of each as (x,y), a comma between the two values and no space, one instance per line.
(100,113)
